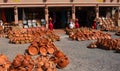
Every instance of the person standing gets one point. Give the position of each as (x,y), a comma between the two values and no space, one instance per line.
(76,24)
(50,24)
(71,25)
(94,25)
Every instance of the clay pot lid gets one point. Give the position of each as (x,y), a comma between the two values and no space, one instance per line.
(33,50)
(43,50)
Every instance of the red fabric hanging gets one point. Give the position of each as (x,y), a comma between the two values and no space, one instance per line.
(94,24)
(77,24)
(3,15)
(50,25)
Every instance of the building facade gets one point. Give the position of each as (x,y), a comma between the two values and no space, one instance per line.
(61,11)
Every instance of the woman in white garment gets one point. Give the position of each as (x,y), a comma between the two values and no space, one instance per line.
(71,24)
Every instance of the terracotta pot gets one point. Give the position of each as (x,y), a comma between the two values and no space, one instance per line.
(38,59)
(93,45)
(40,63)
(19,57)
(49,69)
(54,59)
(46,64)
(2,61)
(39,69)
(17,42)
(25,63)
(21,69)
(59,54)
(7,65)
(63,63)
(30,67)
(43,51)
(2,69)
(78,38)
(32,50)
(52,45)
(22,42)
(27,57)
(52,64)
(3,57)
(50,50)
(34,43)
(54,69)
(16,63)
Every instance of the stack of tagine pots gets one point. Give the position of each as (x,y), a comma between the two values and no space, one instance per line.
(108,44)
(88,34)
(4,63)
(21,36)
(49,57)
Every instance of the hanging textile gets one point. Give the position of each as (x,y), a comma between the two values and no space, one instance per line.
(3,15)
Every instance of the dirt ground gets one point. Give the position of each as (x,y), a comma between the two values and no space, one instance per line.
(81,58)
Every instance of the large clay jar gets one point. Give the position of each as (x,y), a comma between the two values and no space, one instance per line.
(63,63)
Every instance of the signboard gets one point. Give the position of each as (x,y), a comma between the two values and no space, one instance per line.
(16,0)
(88,1)
(99,0)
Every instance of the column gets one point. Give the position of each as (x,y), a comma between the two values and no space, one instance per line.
(119,16)
(113,12)
(73,12)
(46,16)
(97,11)
(119,13)
(117,0)
(16,15)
